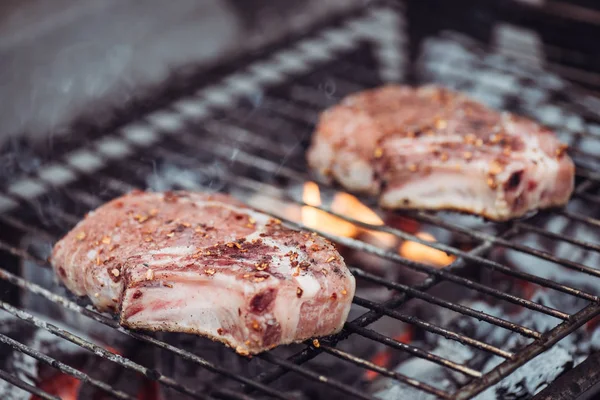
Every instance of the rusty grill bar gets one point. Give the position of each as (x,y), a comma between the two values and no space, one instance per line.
(239,141)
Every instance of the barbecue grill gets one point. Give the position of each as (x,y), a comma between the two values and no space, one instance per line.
(242,128)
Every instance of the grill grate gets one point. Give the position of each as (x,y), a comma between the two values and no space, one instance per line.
(246,152)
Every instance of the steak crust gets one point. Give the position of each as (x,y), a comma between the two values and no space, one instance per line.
(209,265)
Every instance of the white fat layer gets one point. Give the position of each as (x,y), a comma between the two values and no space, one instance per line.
(442,190)
(191,306)
(309,285)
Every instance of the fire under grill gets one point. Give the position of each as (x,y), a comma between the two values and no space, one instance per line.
(447,306)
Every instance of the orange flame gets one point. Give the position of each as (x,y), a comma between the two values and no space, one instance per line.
(346,205)
(423,253)
(384,357)
(61,385)
(350,206)
(318,219)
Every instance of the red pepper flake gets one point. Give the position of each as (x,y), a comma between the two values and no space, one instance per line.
(140,218)
(333,296)
(260,277)
(108,260)
(261,266)
(316,343)
(315,247)
(210,271)
(220,331)
(299,292)
(170,197)
(304,265)
(561,150)
(80,236)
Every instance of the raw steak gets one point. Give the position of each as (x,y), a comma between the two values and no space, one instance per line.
(431,148)
(209,265)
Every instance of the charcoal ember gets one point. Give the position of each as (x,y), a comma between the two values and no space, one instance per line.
(560,249)
(528,380)
(532,377)
(292,384)
(28,368)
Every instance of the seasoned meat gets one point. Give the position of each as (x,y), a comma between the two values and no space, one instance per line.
(432,148)
(209,265)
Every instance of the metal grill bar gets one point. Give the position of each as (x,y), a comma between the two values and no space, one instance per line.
(391,374)
(448,363)
(365,319)
(301,114)
(62,367)
(534,349)
(56,299)
(447,304)
(315,98)
(448,334)
(429,356)
(122,361)
(26,386)
(362,246)
(247,159)
(410,349)
(267,165)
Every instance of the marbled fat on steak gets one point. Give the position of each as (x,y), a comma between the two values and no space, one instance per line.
(209,265)
(431,148)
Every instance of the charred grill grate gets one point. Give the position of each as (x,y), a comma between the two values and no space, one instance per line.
(234,137)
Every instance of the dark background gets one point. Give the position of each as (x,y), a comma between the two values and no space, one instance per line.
(61,58)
